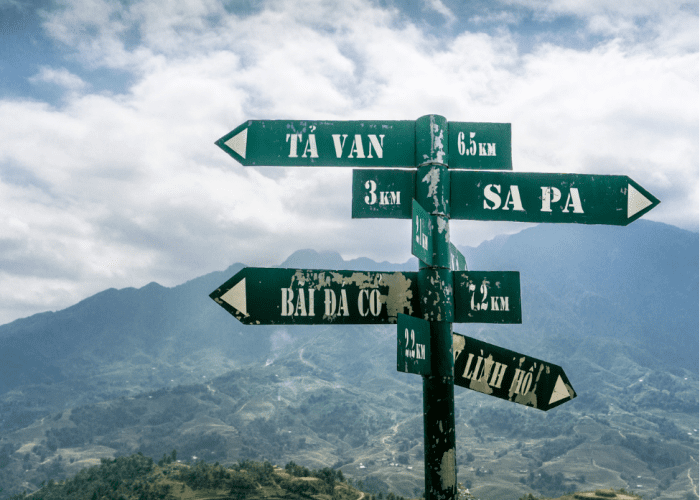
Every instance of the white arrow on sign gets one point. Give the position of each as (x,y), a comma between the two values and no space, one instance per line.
(236,297)
(560,391)
(636,201)
(239,142)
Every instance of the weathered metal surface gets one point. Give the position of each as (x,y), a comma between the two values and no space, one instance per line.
(483,146)
(439,438)
(302,143)
(457,261)
(537,197)
(509,375)
(487,297)
(262,296)
(436,294)
(431,140)
(433,188)
(382,193)
(413,345)
(422,234)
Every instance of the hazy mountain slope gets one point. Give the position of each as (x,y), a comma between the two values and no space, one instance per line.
(637,283)
(616,307)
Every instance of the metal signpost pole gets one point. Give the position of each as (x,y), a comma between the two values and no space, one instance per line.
(437,306)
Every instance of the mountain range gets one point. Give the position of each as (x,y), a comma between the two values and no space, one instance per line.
(154,368)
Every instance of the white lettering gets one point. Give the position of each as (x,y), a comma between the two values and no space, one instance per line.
(310,147)
(287,302)
(513,198)
(573,200)
(521,382)
(339,146)
(375,304)
(497,376)
(300,309)
(377,144)
(357,147)
(487,149)
(372,198)
(492,196)
(360,302)
(343,306)
(292,139)
(390,197)
(472,144)
(329,302)
(549,195)
(466,373)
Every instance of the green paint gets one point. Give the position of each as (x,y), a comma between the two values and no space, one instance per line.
(482,146)
(301,143)
(383,193)
(509,375)
(422,234)
(457,261)
(537,197)
(487,297)
(262,296)
(413,345)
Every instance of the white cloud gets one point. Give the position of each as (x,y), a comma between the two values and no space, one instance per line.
(61,77)
(119,190)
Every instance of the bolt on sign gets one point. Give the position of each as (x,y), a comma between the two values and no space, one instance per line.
(509,375)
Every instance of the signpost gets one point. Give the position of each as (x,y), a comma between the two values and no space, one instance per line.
(508,375)
(424,304)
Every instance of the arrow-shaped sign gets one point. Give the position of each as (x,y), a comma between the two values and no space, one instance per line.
(537,197)
(263,296)
(365,143)
(291,143)
(509,375)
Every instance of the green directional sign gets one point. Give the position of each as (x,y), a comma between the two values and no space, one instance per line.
(413,345)
(299,143)
(362,143)
(538,197)
(422,239)
(508,375)
(487,297)
(457,261)
(264,296)
(482,146)
(383,193)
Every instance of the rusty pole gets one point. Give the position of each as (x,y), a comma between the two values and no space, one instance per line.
(437,306)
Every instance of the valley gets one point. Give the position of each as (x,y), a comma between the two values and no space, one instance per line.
(156,369)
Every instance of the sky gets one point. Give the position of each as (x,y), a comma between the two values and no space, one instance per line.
(110,178)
